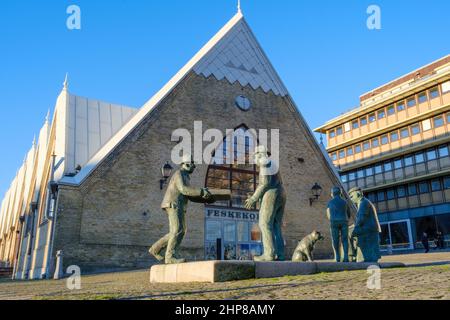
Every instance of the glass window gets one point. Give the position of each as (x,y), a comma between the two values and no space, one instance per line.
(409,161)
(400,106)
(411,102)
(372,197)
(447,183)
(448,118)
(438,122)
(355,124)
(426,125)
(381,196)
(424,187)
(434,93)
(213,230)
(243,231)
(344,178)
(436,185)
(398,164)
(401,192)
(390,110)
(390,194)
(369,171)
(349,151)
(339,131)
(378,169)
(384,140)
(423,97)
(388,166)
(415,129)
(394,136)
(363,121)
(342,154)
(332,134)
(443,152)
(372,117)
(431,154)
(419,157)
(381,114)
(361,174)
(358,148)
(366,145)
(351,176)
(404,133)
(334,156)
(375,143)
(412,189)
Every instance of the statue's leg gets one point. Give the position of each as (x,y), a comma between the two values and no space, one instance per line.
(266,221)
(345,240)
(335,242)
(176,235)
(181,232)
(156,249)
(158,246)
(279,240)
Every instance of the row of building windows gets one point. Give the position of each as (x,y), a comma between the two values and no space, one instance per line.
(412,189)
(393,136)
(399,163)
(402,105)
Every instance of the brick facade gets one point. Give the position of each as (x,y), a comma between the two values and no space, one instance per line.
(101,223)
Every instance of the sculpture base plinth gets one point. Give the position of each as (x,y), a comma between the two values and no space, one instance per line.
(223,271)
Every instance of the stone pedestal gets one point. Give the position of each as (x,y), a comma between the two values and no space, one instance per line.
(223,271)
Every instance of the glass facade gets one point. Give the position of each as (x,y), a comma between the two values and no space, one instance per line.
(228,221)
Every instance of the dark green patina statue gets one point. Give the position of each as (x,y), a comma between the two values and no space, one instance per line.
(272,199)
(178,194)
(367,228)
(339,213)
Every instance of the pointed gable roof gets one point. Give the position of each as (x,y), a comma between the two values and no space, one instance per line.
(233,53)
(237,56)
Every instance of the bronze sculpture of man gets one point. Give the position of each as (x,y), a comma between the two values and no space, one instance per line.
(339,213)
(272,199)
(367,228)
(174,204)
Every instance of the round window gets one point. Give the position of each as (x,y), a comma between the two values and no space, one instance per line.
(243,103)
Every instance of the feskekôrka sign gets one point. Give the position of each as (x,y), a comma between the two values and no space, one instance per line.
(232,214)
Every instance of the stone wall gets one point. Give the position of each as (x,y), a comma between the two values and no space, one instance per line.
(114,216)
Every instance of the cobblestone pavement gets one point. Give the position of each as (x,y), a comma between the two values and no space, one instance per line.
(429,282)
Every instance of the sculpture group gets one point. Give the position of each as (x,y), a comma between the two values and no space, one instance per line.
(357,243)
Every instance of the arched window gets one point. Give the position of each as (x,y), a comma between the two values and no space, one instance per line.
(231,168)
(228,221)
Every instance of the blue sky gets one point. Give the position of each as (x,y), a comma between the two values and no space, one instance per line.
(126,50)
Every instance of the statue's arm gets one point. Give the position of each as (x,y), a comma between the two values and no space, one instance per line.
(363,212)
(349,212)
(328,213)
(187,190)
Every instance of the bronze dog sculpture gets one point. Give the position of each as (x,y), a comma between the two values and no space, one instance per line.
(305,248)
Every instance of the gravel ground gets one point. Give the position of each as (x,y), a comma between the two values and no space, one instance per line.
(431,282)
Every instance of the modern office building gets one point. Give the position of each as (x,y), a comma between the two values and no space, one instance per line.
(395,146)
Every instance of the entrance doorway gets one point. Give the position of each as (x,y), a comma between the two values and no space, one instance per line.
(396,235)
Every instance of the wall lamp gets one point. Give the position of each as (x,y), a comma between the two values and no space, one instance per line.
(316,191)
(166,172)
